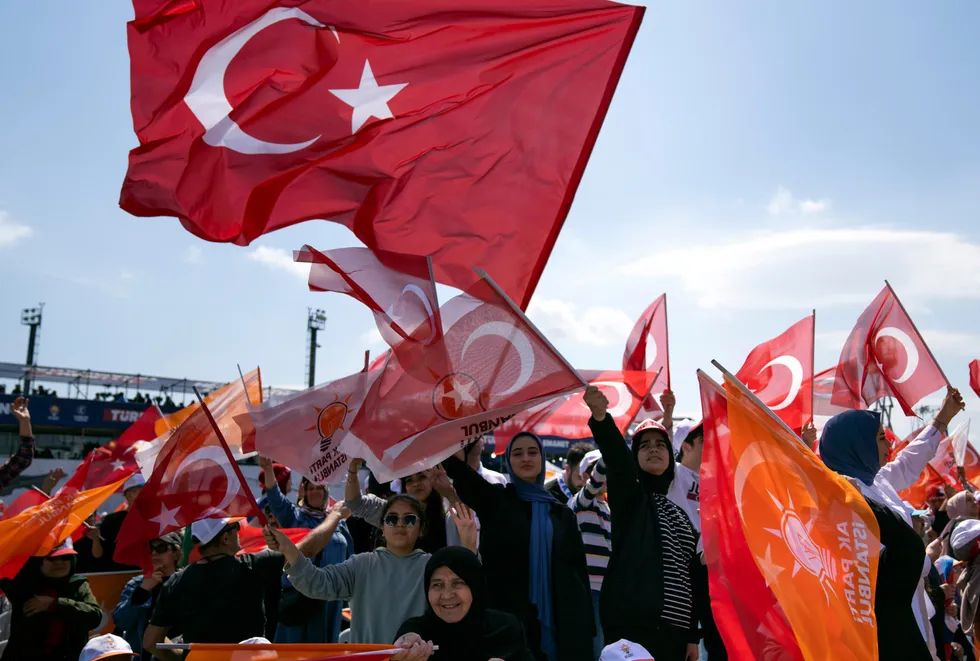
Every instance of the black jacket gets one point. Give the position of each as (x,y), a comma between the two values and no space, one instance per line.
(631,601)
(899,573)
(505,545)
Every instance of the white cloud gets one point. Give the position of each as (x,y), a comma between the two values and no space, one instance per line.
(798,269)
(596,325)
(194,255)
(126,275)
(952,342)
(11,232)
(278,259)
(783,203)
(372,337)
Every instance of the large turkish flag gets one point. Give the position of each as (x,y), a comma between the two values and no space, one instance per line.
(456,130)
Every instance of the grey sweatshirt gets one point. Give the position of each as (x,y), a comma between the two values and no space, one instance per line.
(384,590)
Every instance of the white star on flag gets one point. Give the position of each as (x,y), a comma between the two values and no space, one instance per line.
(166,518)
(369,99)
(118,465)
(461,392)
(770,569)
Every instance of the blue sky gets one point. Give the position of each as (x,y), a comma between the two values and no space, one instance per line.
(759,159)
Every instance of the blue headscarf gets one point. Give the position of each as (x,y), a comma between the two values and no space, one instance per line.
(849,444)
(542,538)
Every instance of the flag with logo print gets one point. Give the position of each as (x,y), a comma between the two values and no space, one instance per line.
(780,373)
(306,431)
(885,343)
(567,417)
(194,478)
(745,610)
(499,365)
(811,534)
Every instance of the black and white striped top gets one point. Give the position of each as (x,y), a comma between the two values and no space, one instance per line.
(678,550)
(595,525)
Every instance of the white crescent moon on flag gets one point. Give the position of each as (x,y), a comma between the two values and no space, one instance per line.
(411,288)
(651,355)
(911,353)
(218,457)
(796,372)
(624,399)
(520,343)
(206,97)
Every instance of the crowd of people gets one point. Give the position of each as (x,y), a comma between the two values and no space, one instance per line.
(463,563)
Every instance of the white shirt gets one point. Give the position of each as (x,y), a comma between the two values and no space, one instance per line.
(898,475)
(493,477)
(685,492)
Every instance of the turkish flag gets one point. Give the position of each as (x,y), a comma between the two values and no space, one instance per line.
(193,478)
(252,540)
(646,346)
(456,130)
(823,391)
(499,365)
(745,609)
(305,432)
(810,533)
(567,417)
(885,343)
(975,376)
(117,458)
(780,373)
(398,289)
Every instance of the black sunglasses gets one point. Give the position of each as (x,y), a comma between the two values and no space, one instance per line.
(410,520)
(160,548)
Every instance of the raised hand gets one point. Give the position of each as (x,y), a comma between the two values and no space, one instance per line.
(952,404)
(597,402)
(465,522)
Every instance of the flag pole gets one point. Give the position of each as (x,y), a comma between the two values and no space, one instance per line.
(483,274)
(667,339)
(649,390)
(813,367)
(234,464)
(367,359)
(928,350)
(756,400)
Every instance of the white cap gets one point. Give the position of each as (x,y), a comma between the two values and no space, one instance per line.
(964,534)
(105,646)
(681,430)
(257,640)
(624,650)
(207,529)
(259,655)
(135,481)
(588,461)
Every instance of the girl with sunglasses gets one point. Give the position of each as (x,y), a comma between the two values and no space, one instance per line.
(532,551)
(141,593)
(385,586)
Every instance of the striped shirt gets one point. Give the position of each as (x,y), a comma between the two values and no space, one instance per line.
(678,549)
(594,523)
(17,462)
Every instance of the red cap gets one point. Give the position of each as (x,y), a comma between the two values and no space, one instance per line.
(282,476)
(647,425)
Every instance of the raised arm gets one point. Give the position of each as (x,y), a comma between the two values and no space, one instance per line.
(620,467)
(284,510)
(320,536)
(477,493)
(21,459)
(590,490)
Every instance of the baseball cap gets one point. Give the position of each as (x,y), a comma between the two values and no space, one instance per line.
(65,548)
(207,529)
(588,461)
(964,536)
(647,425)
(171,538)
(624,650)
(135,481)
(107,646)
(259,655)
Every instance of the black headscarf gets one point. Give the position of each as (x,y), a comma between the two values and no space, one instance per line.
(654,483)
(482,634)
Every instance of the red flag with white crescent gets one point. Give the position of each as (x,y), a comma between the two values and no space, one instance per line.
(780,373)
(255,115)
(885,344)
(194,478)
(499,365)
(567,417)
(646,346)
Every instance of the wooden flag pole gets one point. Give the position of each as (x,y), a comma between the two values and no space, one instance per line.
(813,367)
(234,464)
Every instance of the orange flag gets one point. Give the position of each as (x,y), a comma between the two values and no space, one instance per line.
(253,381)
(325,652)
(812,534)
(107,587)
(36,531)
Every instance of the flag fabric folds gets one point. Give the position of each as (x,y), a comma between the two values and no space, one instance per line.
(780,373)
(975,376)
(117,458)
(498,365)
(811,534)
(355,117)
(885,356)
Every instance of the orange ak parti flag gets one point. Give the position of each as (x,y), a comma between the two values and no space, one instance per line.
(292,652)
(37,530)
(811,533)
(227,392)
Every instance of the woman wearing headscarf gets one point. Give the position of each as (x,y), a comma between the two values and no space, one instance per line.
(457,619)
(53,609)
(854,444)
(647,593)
(532,551)
(965,546)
